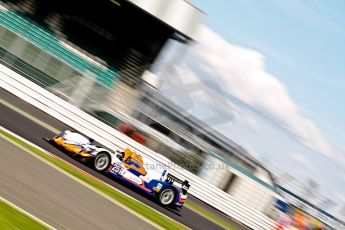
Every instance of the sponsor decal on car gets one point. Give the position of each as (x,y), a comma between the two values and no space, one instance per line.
(158,187)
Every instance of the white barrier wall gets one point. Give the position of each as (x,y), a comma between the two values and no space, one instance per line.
(111,138)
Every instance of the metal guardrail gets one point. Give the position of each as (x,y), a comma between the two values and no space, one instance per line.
(111,138)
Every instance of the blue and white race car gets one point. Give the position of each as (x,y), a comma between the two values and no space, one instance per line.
(154,181)
(128,166)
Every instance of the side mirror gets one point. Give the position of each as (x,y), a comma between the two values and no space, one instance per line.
(120,155)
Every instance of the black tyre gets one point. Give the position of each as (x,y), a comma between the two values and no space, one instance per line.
(102,162)
(166,197)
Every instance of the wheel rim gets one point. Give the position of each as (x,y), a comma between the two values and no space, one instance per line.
(167,196)
(101,162)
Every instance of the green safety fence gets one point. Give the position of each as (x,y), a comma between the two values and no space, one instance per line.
(51,44)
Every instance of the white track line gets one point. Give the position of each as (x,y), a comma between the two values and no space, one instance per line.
(27,214)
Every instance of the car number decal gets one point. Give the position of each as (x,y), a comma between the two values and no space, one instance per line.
(117,168)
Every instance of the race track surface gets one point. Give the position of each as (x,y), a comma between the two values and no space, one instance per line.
(34,133)
(55,198)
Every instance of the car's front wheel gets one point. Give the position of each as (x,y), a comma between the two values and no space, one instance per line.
(167,196)
(102,162)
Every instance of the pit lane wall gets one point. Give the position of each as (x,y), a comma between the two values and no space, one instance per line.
(111,138)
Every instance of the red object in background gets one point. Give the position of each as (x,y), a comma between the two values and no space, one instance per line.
(138,137)
(125,129)
(130,131)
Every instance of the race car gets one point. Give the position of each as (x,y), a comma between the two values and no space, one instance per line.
(82,148)
(151,178)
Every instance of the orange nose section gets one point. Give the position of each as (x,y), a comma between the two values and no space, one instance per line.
(72,148)
(59,140)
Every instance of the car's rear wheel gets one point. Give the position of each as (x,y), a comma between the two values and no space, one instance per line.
(167,196)
(102,162)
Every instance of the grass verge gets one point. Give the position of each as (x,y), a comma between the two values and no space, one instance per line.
(132,204)
(11,218)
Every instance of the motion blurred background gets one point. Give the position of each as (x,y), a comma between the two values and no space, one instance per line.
(123,63)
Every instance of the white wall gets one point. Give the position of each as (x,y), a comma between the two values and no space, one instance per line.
(215,172)
(244,188)
(252,193)
(263,175)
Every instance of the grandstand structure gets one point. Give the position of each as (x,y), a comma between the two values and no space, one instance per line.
(122,36)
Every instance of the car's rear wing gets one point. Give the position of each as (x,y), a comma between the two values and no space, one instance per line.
(184,183)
